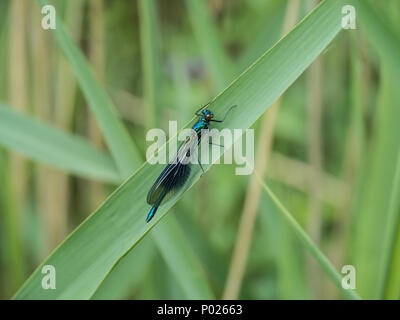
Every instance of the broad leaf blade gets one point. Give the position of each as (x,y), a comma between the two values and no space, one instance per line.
(121,146)
(46,144)
(86,257)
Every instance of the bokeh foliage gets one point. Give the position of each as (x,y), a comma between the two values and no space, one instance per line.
(161,60)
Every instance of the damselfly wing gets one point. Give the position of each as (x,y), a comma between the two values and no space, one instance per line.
(177,172)
(174,175)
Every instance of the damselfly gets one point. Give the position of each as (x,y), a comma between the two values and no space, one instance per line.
(177,172)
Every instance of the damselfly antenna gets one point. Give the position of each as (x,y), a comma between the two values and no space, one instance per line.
(225,114)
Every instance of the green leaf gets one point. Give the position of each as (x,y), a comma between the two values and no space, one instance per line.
(373,210)
(169,238)
(128,273)
(267,34)
(286,251)
(391,274)
(323,261)
(368,252)
(150,58)
(85,258)
(11,255)
(46,144)
(218,63)
(195,287)
(121,146)
(109,122)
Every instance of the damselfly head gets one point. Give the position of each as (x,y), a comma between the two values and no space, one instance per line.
(208,115)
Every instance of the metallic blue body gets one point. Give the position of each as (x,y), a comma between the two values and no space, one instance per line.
(203,123)
(175,175)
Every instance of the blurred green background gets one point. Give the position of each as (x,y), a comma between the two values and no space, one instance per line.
(331,158)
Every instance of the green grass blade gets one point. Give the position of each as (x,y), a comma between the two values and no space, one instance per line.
(182,262)
(46,144)
(390,282)
(103,112)
(150,58)
(13,257)
(269,32)
(218,63)
(85,258)
(213,264)
(286,252)
(374,207)
(379,33)
(128,273)
(325,264)
(121,146)
(393,280)
(169,238)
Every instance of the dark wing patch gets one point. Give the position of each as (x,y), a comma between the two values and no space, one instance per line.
(174,174)
(172,178)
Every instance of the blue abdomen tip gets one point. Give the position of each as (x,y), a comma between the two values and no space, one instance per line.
(151,213)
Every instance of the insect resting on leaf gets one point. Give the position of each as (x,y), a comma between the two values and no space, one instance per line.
(177,172)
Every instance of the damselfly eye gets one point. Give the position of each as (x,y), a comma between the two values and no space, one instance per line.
(209,116)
